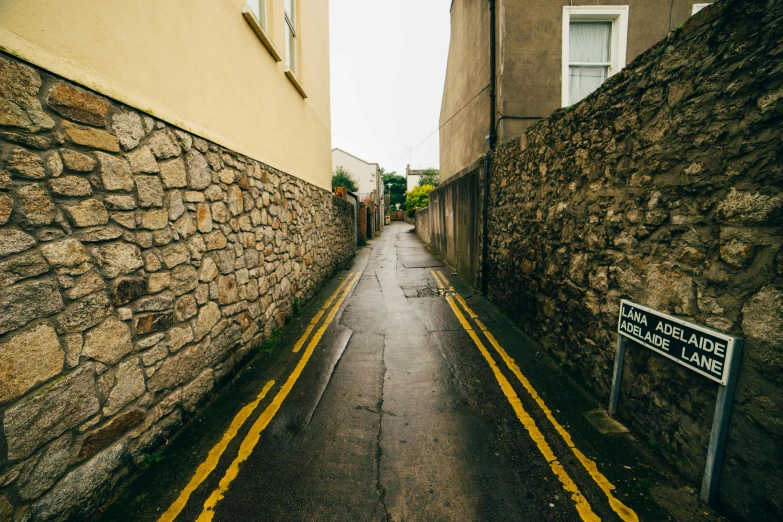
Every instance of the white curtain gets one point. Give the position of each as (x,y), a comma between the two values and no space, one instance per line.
(589,43)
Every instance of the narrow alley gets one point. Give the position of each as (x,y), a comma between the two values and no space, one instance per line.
(391,399)
(452,260)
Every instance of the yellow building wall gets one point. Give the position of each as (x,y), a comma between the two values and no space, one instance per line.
(196,64)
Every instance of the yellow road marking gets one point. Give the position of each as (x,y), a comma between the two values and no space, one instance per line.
(336,292)
(314,320)
(301,341)
(336,307)
(459,297)
(208,466)
(254,435)
(623,511)
(581,504)
(466,307)
(437,280)
(445,281)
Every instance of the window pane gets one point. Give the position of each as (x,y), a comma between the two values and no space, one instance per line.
(589,42)
(259,10)
(255,7)
(584,80)
(290,49)
(287,46)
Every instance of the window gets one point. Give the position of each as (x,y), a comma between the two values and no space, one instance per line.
(258,8)
(594,45)
(290,34)
(698,7)
(292,69)
(256,14)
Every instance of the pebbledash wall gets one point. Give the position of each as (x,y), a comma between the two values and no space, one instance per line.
(664,187)
(139,266)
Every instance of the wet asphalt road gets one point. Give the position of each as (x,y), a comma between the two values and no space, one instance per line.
(396,416)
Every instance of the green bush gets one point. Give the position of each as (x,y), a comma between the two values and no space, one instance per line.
(342,177)
(418,197)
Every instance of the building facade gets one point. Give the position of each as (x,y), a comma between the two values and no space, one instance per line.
(412,177)
(165,205)
(369,181)
(367,174)
(202,65)
(549,54)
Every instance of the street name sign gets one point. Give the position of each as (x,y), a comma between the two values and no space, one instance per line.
(707,352)
(703,350)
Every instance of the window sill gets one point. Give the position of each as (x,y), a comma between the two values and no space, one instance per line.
(291,76)
(261,33)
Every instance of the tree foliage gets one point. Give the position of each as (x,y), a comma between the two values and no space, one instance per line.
(418,197)
(342,177)
(394,185)
(429,176)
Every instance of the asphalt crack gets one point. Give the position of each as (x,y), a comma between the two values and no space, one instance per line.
(380,412)
(378,449)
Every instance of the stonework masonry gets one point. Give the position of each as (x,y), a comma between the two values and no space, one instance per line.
(664,187)
(139,267)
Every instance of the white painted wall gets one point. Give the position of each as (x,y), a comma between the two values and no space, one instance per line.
(365,173)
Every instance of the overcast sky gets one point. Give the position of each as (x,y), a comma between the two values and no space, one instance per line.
(388,61)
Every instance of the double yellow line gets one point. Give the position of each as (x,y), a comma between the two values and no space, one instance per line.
(254,434)
(581,504)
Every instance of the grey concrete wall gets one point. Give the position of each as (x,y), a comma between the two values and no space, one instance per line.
(664,187)
(423,224)
(454,223)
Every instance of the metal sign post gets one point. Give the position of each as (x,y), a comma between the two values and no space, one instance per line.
(617,377)
(712,354)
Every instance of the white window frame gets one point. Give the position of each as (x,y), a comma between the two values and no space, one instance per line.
(261,27)
(261,16)
(292,59)
(698,7)
(618,15)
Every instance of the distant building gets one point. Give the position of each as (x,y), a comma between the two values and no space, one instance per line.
(368,178)
(366,174)
(549,54)
(412,177)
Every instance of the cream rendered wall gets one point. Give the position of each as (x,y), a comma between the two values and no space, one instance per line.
(365,173)
(194,63)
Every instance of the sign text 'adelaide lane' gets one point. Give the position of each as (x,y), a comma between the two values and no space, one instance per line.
(701,349)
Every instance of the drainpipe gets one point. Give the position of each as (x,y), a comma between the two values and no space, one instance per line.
(492,138)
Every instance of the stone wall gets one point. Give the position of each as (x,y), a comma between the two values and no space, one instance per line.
(664,187)
(139,266)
